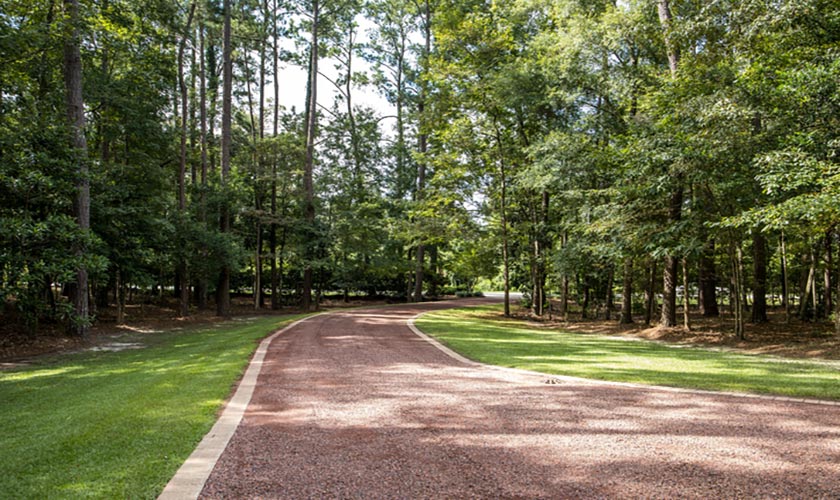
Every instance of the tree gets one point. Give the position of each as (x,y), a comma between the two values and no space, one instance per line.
(223,286)
(309,161)
(183,272)
(78,144)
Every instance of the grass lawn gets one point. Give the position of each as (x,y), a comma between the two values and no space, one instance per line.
(482,335)
(119,424)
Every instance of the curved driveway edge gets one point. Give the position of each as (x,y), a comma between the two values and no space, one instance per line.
(188,482)
(355,404)
(458,357)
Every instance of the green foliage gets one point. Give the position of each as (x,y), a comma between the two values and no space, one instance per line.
(554,129)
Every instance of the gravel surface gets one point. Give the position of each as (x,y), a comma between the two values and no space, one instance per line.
(354,405)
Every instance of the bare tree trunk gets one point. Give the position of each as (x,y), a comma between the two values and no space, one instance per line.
(812,283)
(708,280)
(540,247)
(272,230)
(78,143)
(669,295)
(785,289)
(759,310)
(686,303)
(608,299)
(586,296)
(120,297)
(736,295)
(836,302)
(505,249)
(829,270)
(669,281)
(503,210)
(564,303)
(665,19)
(223,289)
(311,123)
(423,139)
(650,291)
(807,288)
(433,265)
(201,286)
(183,269)
(627,293)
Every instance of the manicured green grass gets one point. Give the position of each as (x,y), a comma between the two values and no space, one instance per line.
(476,335)
(119,424)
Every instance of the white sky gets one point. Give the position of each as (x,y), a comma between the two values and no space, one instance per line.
(293,82)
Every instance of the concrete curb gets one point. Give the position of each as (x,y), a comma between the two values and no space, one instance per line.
(190,478)
(565,378)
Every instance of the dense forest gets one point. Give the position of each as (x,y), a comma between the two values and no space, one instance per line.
(629,159)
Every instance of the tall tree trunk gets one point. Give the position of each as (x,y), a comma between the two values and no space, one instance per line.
(686,296)
(255,160)
(836,302)
(401,149)
(627,293)
(422,139)
(608,299)
(272,230)
(807,288)
(708,280)
(586,296)
(201,286)
(433,265)
(503,210)
(759,310)
(78,144)
(736,296)
(183,269)
(540,247)
(223,288)
(650,290)
(564,301)
(785,288)
(309,192)
(505,249)
(829,270)
(669,290)
(119,289)
(666,19)
(669,281)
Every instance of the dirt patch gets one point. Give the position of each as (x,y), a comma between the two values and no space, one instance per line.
(796,339)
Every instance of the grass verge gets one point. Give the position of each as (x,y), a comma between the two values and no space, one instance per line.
(119,424)
(482,335)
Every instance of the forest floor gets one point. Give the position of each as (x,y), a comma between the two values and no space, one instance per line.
(797,339)
(19,347)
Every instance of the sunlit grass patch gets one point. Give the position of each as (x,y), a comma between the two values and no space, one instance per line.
(119,424)
(479,334)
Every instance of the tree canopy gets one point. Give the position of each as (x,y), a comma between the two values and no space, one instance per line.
(636,151)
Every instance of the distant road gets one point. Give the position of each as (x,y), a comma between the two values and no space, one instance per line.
(501,295)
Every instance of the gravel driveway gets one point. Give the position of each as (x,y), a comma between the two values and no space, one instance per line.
(354,405)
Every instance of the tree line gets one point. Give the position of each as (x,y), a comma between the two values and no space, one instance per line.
(621,157)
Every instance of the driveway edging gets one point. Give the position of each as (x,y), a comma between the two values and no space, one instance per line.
(188,482)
